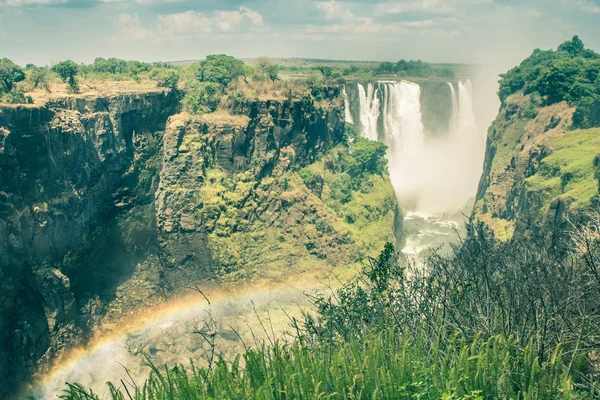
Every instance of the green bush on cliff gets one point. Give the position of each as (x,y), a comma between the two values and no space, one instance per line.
(202,98)
(572,74)
(10,73)
(221,69)
(67,70)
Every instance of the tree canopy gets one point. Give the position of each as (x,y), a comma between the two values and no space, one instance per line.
(10,73)
(67,71)
(571,74)
(221,69)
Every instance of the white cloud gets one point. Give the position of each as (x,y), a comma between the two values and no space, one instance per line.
(589,6)
(335,10)
(17,3)
(132,27)
(185,23)
(433,6)
(190,23)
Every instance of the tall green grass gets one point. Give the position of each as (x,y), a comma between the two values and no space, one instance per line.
(385,366)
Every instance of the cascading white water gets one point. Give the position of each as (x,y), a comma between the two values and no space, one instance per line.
(369,110)
(467,124)
(404,134)
(454,118)
(434,178)
(430,176)
(347,113)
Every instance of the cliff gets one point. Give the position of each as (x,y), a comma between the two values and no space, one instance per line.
(538,174)
(61,167)
(113,204)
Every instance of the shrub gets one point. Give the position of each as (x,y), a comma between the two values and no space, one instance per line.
(67,70)
(202,98)
(10,73)
(169,80)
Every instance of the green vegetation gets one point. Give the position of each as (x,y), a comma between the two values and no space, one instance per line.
(492,320)
(38,77)
(570,173)
(413,68)
(330,214)
(67,70)
(170,80)
(10,73)
(571,74)
(202,98)
(221,69)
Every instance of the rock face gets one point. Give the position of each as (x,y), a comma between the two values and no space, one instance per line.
(273,137)
(113,204)
(60,170)
(536,171)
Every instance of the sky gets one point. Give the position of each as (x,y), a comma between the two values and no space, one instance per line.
(498,32)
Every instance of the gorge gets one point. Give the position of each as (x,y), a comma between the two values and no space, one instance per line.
(244,235)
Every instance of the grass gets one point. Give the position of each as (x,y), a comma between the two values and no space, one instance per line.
(568,173)
(383,366)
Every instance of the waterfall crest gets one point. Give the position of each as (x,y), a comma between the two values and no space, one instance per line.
(369,110)
(347,113)
(454,119)
(430,175)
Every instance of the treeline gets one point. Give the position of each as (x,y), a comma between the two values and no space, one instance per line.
(15,81)
(402,68)
(571,74)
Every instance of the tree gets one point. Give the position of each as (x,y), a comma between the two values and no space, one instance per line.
(385,68)
(266,68)
(574,47)
(170,80)
(110,66)
(326,71)
(273,72)
(10,73)
(202,98)
(38,76)
(221,69)
(67,71)
(368,156)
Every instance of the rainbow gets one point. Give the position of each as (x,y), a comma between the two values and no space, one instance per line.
(105,351)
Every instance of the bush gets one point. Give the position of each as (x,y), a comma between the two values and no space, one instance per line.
(169,80)
(10,73)
(221,69)
(38,77)
(67,70)
(367,157)
(202,98)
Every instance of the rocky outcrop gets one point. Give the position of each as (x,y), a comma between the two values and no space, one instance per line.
(113,204)
(537,172)
(230,203)
(61,166)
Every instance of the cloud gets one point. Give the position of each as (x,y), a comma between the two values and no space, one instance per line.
(588,6)
(228,21)
(433,6)
(190,23)
(18,3)
(132,27)
(185,23)
(336,10)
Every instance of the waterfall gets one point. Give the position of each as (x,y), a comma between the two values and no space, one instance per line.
(369,110)
(347,113)
(466,115)
(430,175)
(404,134)
(454,118)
